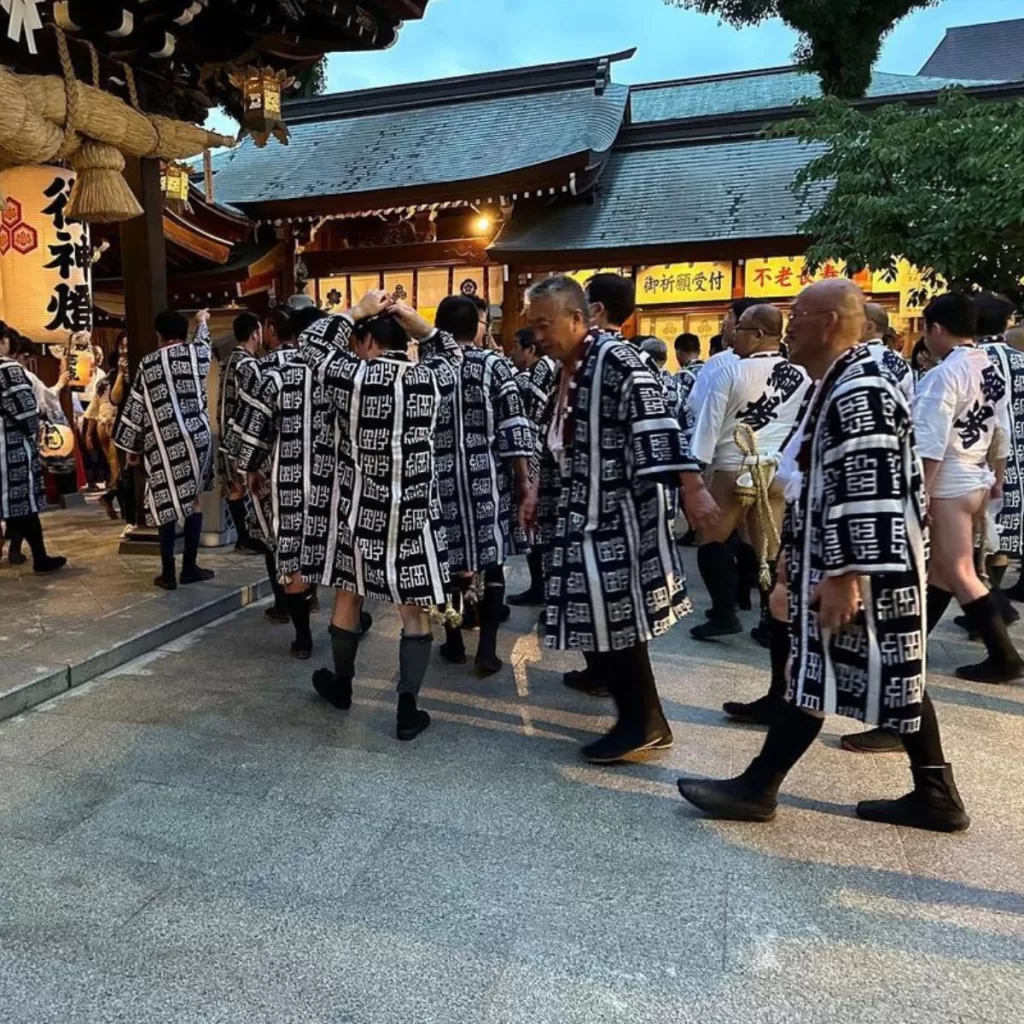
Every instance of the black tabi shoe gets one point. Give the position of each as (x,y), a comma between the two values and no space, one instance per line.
(166,582)
(301,652)
(933,805)
(762,711)
(619,745)
(335,691)
(581,682)
(992,670)
(506,613)
(713,629)
(874,741)
(278,615)
(411,720)
(196,575)
(455,655)
(526,598)
(730,800)
(487,665)
(47,565)
(242,548)
(761,634)
(1016,592)
(16,557)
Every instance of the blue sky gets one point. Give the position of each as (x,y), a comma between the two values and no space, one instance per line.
(460,37)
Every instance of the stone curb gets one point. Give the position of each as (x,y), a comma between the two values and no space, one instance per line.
(51,684)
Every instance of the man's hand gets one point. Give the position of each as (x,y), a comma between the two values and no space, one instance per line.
(133,459)
(528,497)
(257,485)
(122,364)
(700,509)
(837,599)
(996,494)
(416,327)
(63,380)
(373,303)
(203,316)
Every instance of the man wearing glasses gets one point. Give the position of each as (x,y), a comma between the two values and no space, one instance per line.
(762,391)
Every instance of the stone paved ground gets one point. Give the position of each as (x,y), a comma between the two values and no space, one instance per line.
(98,602)
(195,837)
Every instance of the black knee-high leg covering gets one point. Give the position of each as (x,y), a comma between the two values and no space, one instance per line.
(937,603)
(491,608)
(924,748)
(718,570)
(298,612)
(413,660)
(344,646)
(780,658)
(789,738)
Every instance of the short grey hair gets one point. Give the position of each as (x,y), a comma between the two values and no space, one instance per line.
(656,349)
(566,290)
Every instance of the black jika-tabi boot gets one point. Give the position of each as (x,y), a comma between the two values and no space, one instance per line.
(764,710)
(718,570)
(336,687)
(491,616)
(1003,664)
(298,613)
(413,659)
(934,804)
(640,728)
(753,796)
(761,634)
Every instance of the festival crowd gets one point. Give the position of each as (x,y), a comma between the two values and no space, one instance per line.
(857,493)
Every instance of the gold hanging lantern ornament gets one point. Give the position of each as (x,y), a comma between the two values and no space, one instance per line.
(56,440)
(174,183)
(261,90)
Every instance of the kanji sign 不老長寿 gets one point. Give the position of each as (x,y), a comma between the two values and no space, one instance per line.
(684,282)
(783,276)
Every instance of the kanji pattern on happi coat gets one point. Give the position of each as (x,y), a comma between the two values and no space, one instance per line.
(21,472)
(855,505)
(165,419)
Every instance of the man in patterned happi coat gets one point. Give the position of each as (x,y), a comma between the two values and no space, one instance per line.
(994,313)
(853,564)
(535,377)
(279,348)
(484,442)
(610,450)
(390,542)
(22,494)
(165,422)
(248,331)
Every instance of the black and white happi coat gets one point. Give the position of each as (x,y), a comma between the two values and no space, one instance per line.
(286,432)
(895,365)
(614,579)
(763,391)
(227,410)
(165,419)
(390,539)
(535,386)
(250,374)
(855,505)
(22,492)
(1010,363)
(481,429)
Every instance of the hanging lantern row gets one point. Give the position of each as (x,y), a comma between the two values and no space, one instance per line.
(261,90)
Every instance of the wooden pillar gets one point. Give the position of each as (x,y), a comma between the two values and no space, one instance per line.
(143,258)
(144,272)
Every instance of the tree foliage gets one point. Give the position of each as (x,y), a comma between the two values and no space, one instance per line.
(312,81)
(839,39)
(942,186)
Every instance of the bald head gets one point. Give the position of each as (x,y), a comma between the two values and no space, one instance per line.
(876,321)
(826,320)
(759,330)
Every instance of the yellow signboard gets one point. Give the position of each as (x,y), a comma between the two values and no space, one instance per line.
(674,283)
(786,276)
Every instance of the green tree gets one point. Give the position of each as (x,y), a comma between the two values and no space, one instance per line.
(312,81)
(839,39)
(942,186)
